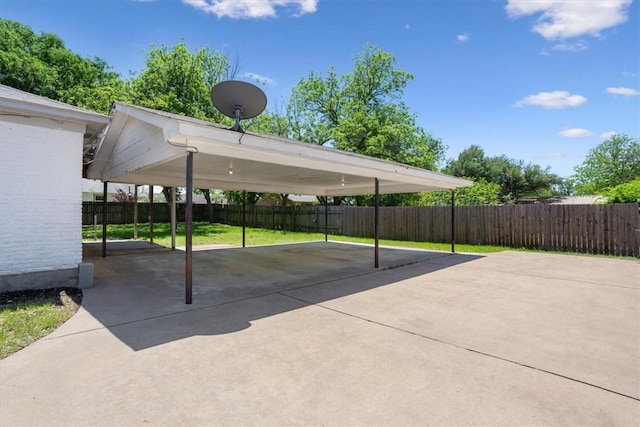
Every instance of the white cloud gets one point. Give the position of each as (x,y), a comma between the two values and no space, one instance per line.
(624,91)
(575,133)
(562,19)
(252,8)
(607,135)
(259,78)
(578,46)
(407,26)
(462,37)
(557,99)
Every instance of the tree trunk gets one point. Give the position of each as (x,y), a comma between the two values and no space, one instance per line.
(166,191)
(207,197)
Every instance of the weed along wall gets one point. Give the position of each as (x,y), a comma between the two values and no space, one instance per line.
(601,229)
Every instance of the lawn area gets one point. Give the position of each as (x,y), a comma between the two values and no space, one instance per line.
(26,316)
(206,234)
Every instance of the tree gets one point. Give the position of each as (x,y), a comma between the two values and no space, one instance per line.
(628,192)
(362,112)
(41,64)
(613,162)
(471,163)
(122,196)
(515,178)
(480,193)
(179,81)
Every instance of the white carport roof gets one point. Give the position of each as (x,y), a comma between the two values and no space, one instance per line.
(144,146)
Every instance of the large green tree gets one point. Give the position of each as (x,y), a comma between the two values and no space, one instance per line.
(42,64)
(514,177)
(362,111)
(177,80)
(613,162)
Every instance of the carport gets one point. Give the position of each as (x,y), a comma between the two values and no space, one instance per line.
(143,146)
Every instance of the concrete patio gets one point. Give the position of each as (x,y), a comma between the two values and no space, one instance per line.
(311,334)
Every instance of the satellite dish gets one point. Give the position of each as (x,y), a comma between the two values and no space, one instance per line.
(238,100)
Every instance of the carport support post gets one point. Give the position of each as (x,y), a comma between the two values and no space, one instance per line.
(326,218)
(135,212)
(376,223)
(244,206)
(151,214)
(104,220)
(188,230)
(453,223)
(173,218)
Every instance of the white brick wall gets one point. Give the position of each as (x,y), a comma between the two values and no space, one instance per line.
(40,194)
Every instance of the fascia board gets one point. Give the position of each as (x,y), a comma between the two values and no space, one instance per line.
(232,144)
(28,108)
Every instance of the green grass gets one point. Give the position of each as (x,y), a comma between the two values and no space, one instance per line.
(205,233)
(30,315)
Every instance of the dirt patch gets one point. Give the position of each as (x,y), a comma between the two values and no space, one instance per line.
(63,297)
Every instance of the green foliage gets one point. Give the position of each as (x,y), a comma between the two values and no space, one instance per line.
(515,179)
(480,193)
(613,162)
(628,192)
(179,81)
(362,112)
(235,197)
(41,64)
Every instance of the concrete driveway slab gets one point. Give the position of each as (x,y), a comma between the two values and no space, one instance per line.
(445,340)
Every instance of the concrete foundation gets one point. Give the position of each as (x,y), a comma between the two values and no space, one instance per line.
(67,278)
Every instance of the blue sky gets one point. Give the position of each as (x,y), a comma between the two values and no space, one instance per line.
(540,81)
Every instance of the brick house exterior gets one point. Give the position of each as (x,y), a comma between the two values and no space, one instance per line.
(41,152)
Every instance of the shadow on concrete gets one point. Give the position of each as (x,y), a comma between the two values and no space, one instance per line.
(120,247)
(140,297)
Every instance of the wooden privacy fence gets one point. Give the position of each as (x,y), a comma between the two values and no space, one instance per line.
(602,229)
(599,229)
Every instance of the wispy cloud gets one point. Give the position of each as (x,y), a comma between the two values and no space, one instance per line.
(575,133)
(248,9)
(578,46)
(552,156)
(462,37)
(260,78)
(607,135)
(623,91)
(562,19)
(407,26)
(554,100)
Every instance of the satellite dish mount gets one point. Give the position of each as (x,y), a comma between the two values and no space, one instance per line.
(238,100)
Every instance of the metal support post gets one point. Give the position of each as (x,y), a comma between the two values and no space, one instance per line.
(244,206)
(173,218)
(151,214)
(104,220)
(376,223)
(453,222)
(188,230)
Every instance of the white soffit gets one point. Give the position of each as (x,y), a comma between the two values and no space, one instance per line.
(143,146)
